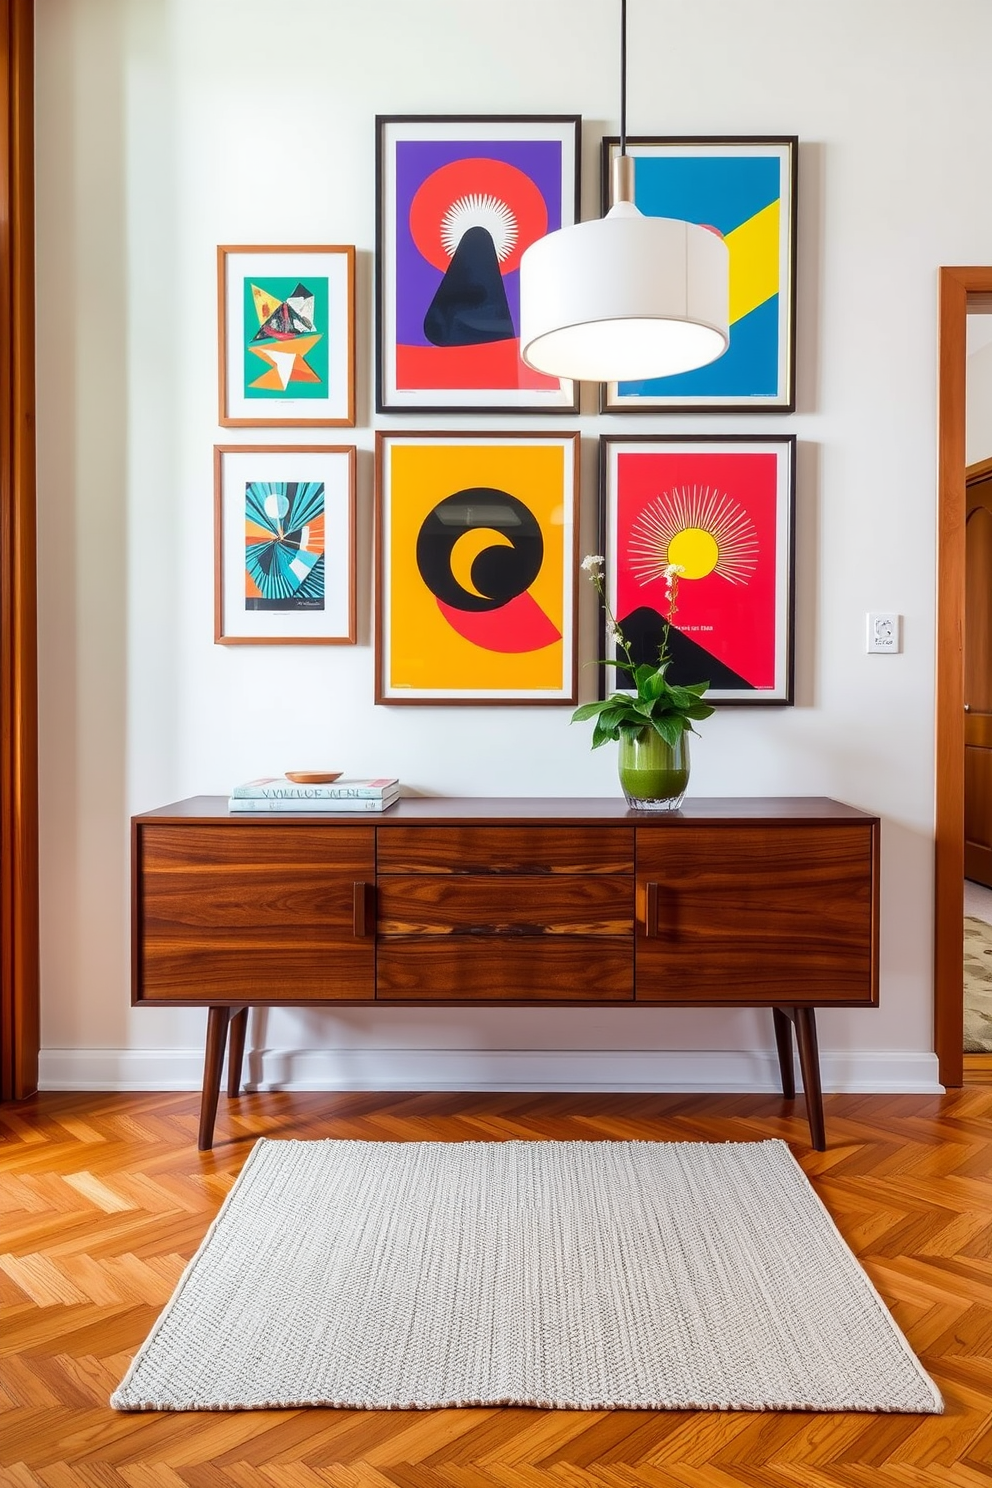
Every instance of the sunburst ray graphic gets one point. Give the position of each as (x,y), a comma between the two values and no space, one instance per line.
(699,527)
(478,210)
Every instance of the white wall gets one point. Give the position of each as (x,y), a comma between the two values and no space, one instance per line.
(168,126)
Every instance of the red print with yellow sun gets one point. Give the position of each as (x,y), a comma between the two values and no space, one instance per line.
(714,514)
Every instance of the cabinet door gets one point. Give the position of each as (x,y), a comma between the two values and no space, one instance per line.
(254,913)
(757,914)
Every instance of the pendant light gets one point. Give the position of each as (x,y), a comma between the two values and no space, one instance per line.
(625,297)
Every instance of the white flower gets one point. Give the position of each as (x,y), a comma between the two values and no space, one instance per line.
(592,562)
(612,631)
(671,569)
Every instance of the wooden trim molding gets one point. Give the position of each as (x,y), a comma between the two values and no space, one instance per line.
(19,973)
(956,286)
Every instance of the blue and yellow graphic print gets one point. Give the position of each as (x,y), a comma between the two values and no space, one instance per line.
(739,195)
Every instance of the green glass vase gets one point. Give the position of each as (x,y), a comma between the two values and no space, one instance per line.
(654,774)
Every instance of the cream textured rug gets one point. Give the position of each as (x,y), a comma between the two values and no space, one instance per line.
(977,986)
(585,1275)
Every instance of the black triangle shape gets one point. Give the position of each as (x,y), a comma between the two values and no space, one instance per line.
(691,662)
(470,308)
(284,320)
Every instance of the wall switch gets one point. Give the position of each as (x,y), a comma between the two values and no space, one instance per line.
(884,631)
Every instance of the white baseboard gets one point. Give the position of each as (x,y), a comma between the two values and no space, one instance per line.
(683,1070)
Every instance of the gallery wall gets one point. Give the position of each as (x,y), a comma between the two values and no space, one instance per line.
(166,127)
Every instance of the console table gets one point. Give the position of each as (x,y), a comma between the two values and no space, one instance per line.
(750,902)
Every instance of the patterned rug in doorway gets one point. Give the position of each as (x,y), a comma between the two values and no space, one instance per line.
(977,986)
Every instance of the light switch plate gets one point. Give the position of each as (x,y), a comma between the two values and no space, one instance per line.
(884,632)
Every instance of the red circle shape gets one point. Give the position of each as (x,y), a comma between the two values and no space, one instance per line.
(477,176)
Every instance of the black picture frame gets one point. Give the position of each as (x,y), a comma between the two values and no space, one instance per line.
(414,375)
(695,485)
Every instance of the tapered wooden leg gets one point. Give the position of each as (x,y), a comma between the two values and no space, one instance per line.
(809,1063)
(236,1049)
(783,1040)
(217,1021)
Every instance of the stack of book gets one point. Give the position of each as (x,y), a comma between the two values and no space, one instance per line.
(279,793)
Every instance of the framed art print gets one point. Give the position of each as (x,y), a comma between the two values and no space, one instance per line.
(744,189)
(287,336)
(459,199)
(284,544)
(723,509)
(476,547)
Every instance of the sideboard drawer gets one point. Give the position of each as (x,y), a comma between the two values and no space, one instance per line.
(506,850)
(466,968)
(415,904)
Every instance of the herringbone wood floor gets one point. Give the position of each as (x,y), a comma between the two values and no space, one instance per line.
(106,1198)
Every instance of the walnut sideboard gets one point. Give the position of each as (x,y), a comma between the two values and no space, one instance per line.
(750,902)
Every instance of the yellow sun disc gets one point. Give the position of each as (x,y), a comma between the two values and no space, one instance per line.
(695,550)
(467,549)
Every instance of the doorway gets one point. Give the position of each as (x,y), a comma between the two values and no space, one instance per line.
(978,673)
(961,290)
(978,702)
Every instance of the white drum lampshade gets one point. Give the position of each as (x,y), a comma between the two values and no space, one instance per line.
(624,297)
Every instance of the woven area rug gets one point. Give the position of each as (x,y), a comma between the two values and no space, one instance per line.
(977,986)
(582,1275)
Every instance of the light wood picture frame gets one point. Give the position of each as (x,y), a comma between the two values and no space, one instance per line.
(286,336)
(284,545)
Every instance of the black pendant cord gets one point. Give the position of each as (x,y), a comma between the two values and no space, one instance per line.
(623,77)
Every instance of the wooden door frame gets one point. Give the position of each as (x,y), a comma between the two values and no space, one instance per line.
(956,285)
(19,972)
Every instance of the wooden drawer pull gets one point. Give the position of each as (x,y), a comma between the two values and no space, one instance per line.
(361,909)
(651,911)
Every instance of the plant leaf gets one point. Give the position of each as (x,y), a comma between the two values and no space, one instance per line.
(630,730)
(589,710)
(681,697)
(670,729)
(601,735)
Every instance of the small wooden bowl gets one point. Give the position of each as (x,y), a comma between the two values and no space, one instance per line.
(313,777)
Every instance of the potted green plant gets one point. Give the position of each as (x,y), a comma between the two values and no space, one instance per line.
(651,722)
